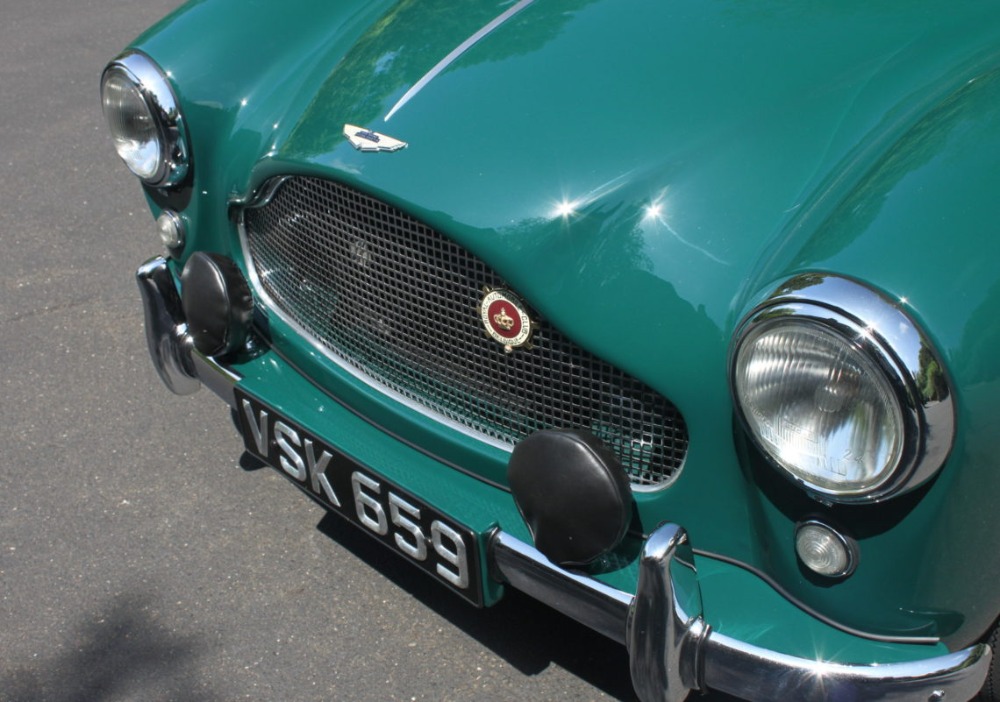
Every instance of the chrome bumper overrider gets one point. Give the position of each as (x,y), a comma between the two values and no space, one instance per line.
(181,367)
(170,346)
(672,649)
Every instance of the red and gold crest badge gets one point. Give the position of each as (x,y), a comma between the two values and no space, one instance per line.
(505,319)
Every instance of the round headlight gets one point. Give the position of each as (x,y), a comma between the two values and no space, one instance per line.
(144,120)
(819,405)
(837,387)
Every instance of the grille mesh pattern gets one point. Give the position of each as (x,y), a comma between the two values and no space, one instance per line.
(397,301)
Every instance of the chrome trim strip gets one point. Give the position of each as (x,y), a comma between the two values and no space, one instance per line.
(152,82)
(811,611)
(897,345)
(255,198)
(384,429)
(167,337)
(673,650)
(453,56)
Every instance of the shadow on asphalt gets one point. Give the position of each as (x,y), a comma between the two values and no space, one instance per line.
(121,654)
(525,633)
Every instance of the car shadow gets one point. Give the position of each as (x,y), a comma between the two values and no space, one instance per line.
(524,632)
(250,463)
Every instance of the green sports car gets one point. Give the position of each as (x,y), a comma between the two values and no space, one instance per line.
(676,315)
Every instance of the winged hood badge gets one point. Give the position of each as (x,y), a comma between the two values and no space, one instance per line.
(366,140)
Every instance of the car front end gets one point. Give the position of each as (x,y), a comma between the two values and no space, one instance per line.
(679,325)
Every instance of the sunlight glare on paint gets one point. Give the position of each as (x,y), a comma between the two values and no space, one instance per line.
(565,209)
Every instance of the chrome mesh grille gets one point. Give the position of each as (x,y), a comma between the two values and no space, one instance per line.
(398,301)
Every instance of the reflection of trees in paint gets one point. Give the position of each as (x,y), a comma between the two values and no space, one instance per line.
(925,141)
(931,382)
(407,42)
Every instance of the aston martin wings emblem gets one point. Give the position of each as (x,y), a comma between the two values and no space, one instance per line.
(366,140)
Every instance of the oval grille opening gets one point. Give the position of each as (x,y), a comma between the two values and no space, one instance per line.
(397,301)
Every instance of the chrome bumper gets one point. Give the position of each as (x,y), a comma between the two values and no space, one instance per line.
(672,649)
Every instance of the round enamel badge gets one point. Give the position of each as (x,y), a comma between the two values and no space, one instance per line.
(505,319)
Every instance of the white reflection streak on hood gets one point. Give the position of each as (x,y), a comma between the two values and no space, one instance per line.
(699,249)
(455,53)
(570,206)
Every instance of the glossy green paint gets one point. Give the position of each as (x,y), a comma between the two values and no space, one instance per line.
(642,172)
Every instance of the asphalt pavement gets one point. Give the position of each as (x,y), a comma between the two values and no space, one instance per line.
(142,557)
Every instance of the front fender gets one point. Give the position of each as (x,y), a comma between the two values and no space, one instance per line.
(920,224)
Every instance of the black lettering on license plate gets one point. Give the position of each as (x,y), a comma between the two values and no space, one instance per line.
(431,540)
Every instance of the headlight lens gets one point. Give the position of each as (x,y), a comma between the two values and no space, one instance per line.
(144,120)
(819,406)
(841,390)
(132,125)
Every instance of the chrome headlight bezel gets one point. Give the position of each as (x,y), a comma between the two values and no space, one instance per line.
(153,87)
(889,341)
